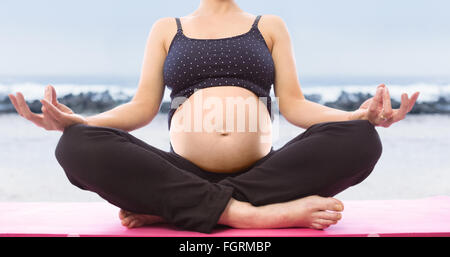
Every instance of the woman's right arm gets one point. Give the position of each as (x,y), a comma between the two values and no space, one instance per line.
(129,116)
(145,104)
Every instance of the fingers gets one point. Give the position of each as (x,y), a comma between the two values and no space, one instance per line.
(387,108)
(54,98)
(48,94)
(404,106)
(14,102)
(53,111)
(376,105)
(22,109)
(412,101)
(53,115)
(49,119)
(393,116)
(380,110)
(386,116)
(50,122)
(64,108)
(25,110)
(379,95)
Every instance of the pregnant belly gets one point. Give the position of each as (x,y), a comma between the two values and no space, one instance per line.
(222,129)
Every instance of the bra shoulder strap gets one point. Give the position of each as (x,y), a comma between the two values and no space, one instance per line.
(179,28)
(255,23)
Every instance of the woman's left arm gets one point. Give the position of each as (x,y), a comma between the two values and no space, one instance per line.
(304,113)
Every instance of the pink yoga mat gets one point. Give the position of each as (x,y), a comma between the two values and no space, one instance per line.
(421,217)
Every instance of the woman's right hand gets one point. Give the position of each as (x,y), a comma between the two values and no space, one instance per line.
(55,115)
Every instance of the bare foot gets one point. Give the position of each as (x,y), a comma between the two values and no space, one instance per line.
(311,212)
(133,220)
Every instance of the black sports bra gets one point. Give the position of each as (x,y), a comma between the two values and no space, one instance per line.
(243,60)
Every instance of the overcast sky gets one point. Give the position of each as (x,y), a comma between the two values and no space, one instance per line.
(330,37)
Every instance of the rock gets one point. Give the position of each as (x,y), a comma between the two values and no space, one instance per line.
(96,102)
(349,101)
(314,98)
(92,102)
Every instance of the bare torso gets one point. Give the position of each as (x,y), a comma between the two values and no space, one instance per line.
(227,146)
(221,146)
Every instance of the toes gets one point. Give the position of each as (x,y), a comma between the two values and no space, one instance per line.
(138,220)
(320,226)
(133,223)
(122,214)
(334,204)
(138,223)
(317,226)
(326,203)
(325,222)
(339,202)
(328,215)
(126,221)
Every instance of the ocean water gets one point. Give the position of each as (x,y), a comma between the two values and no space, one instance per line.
(415,161)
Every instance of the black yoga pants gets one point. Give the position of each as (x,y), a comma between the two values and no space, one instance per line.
(324,160)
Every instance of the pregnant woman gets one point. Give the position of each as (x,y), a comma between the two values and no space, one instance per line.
(220,63)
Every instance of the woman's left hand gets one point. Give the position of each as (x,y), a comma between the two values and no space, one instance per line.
(378,109)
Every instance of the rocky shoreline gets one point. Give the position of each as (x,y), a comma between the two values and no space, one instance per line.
(96,102)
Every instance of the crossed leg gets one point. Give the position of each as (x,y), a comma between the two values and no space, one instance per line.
(300,178)
(324,160)
(139,178)
(293,187)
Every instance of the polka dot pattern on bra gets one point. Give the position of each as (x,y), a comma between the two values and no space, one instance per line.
(243,60)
